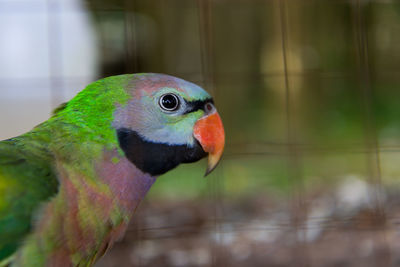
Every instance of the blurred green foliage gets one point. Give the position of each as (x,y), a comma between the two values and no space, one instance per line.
(304,88)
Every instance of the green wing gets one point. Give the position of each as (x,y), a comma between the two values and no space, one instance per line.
(26,180)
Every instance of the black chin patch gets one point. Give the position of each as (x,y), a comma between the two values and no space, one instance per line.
(155,158)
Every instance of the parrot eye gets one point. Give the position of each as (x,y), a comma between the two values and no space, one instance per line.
(209,107)
(169,102)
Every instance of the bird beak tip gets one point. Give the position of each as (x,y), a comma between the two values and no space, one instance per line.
(211,166)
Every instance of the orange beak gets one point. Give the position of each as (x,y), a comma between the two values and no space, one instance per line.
(210,133)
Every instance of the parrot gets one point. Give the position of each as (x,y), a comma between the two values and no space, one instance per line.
(70,186)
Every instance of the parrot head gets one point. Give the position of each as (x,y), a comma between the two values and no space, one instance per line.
(168,121)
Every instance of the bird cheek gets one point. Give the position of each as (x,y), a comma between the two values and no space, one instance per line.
(209,131)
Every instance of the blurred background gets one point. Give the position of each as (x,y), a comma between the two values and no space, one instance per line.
(309,93)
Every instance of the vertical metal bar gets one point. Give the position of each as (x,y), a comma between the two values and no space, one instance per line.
(206,40)
(298,211)
(131,37)
(132,66)
(371,137)
(54,52)
(208,74)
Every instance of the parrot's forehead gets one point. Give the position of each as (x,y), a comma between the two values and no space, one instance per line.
(156,84)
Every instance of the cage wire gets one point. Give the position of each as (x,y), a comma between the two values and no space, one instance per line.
(217,227)
(291,149)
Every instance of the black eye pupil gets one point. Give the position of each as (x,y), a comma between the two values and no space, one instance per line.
(169,102)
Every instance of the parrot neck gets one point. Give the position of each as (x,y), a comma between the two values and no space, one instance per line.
(127,183)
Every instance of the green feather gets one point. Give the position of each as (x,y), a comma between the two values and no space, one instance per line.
(23,165)
(78,130)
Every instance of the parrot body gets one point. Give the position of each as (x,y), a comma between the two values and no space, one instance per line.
(69,187)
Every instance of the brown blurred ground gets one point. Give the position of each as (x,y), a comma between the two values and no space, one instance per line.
(339,230)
